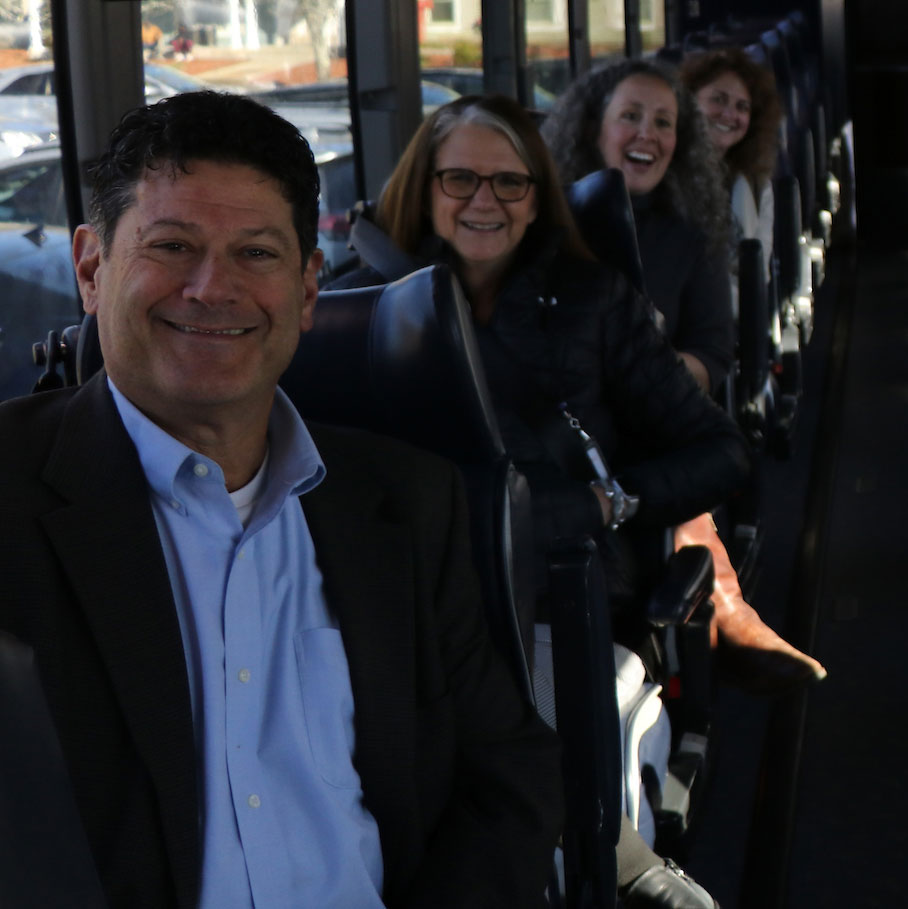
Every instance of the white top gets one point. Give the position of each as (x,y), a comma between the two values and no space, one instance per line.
(754,221)
(754,217)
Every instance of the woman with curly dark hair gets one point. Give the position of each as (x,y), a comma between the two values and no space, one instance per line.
(739,101)
(635,116)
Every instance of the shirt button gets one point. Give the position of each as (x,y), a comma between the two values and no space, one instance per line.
(254,801)
(244,675)
(174,504)
(241,554)
(200,470)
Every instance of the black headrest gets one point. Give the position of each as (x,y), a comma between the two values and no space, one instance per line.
(603,212)
(672,54)
(88,350)
(753,317)
(40,825)
(787,232)
(400,359)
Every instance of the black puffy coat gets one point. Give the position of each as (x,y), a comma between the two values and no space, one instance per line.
(689,285)
(571,331)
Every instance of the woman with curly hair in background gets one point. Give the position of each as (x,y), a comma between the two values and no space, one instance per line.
(739,101)
(635,116)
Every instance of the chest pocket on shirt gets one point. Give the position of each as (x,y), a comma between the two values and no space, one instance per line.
(328,704)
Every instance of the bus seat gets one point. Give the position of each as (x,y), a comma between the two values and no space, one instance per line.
(754,400)
(359,367)
(753,340)
(602,209)
(681,610)
(45,860)
(402,359)
(799,135)
(806,73)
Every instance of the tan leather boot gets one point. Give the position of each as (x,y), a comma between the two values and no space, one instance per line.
(751,655)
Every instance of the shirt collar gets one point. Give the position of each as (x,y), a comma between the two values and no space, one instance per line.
(295,465)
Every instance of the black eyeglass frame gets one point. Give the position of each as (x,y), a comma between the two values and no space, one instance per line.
(480,179)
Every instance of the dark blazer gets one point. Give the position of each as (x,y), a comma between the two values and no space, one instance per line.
(462,778)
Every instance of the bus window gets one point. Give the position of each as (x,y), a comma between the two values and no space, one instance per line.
(652,24)
(450,49)
(548,55)
(39,288)
(606,25)
(292,58)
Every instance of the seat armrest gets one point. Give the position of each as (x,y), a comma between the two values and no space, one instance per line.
(45,859)
(688,582)
(587,708)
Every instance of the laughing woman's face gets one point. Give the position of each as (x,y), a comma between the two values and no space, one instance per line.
(639,131)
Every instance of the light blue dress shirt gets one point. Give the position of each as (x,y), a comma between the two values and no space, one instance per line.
(282,816)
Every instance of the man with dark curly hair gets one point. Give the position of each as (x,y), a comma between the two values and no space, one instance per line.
(261,640)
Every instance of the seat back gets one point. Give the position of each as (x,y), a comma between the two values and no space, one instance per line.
(805,71)
(787,233)
(602,209)
(800,141)
(45,859)
(588,724)
(753,321)
(401,359)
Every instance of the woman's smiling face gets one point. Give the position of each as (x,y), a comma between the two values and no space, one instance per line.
(639,131)
(483,231)
(725,103)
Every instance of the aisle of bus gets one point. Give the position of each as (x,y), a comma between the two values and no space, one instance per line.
(805,800)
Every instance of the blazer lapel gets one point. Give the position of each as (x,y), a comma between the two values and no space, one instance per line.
(107,542)
(365,560)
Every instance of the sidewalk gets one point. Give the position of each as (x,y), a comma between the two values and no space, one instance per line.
(285,65)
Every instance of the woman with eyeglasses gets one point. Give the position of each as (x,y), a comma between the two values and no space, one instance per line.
(477,189)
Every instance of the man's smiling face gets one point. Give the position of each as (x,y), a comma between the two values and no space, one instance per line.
(203,293)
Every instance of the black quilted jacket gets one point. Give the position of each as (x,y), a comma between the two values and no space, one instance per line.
(575,332)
